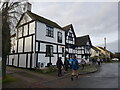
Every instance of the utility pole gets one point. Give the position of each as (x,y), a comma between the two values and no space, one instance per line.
(105,49)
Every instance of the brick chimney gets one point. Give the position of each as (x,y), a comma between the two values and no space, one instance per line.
(27,6)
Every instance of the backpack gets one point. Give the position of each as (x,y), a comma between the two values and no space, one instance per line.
(75,64)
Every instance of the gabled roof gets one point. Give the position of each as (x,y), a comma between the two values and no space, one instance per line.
(67,28)
(41,19)
(104,49)
(96,49)
(82,41)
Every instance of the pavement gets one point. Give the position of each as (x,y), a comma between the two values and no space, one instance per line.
(105,77)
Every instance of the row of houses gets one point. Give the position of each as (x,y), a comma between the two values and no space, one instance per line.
(101,52)
(39,42)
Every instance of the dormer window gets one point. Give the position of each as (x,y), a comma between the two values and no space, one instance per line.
(49,31)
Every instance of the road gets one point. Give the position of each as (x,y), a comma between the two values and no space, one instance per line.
(106,77)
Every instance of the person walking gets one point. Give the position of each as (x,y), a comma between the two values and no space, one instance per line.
(75,67)
(59,66)
(83,63)
(66,64)
(70,62)
(98,60)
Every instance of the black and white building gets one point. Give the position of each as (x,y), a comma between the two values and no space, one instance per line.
(70,40)
(38,42)
(83,47)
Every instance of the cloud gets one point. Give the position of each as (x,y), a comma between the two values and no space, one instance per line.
(97,19)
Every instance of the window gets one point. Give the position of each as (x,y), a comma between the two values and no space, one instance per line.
(59,37)
(70,36)
(62,51)
(49,50)
(49,31)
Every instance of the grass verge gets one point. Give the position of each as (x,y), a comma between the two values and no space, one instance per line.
(8,79)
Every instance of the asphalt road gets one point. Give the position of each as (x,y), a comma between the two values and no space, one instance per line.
(106,77)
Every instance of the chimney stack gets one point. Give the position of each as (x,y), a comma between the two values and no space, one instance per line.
(27,6)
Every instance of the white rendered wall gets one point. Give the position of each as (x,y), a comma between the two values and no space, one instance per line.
(10,59)
(15,60)
(27,47)
(41,34)
(26,18)
(32,28)
(25,30)
(22,60)
(20,45)
(13,44)
(28,63)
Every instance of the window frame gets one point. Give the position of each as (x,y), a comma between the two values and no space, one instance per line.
(49,50)
(49,31)
(59,37)
(70,36)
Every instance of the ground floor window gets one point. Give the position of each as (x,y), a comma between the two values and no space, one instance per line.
(49,50)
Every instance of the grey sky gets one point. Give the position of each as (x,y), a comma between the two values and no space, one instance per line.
(97,19)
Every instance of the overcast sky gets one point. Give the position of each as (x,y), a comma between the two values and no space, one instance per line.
(97,19)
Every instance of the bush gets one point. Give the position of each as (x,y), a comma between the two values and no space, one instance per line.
(47,69)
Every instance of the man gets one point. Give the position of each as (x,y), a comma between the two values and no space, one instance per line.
(59,66)
(75,67)
(98,60)
(66,63)
(70,62)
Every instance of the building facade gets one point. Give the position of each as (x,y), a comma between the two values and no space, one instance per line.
(95,52)
(38,42)
(70,41)
(83,47)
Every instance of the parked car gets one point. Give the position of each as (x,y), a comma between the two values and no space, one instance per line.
(115,59)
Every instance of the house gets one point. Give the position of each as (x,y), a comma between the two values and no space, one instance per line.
(70,41)
(38,42)
(95,52)
(105,52)
(83,47)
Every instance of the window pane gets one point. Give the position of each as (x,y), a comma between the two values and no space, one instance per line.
(50,31)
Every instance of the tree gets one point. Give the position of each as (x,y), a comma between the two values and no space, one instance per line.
(11,12)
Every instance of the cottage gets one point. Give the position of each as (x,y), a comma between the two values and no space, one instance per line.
(105,53)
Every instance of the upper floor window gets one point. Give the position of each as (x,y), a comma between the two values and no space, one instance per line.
(49,31)
(59,37)
(70,36)
(49,50)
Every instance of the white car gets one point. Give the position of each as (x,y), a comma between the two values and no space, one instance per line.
(115,59)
